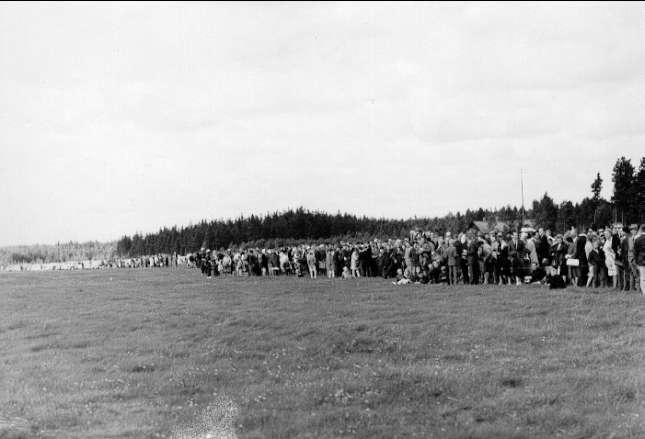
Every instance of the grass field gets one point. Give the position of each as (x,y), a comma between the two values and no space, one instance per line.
(136,354)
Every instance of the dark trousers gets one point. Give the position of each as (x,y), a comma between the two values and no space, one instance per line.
(584,272)
(464,271)
(473,270)
(453,274)
(626,283)
(620,275)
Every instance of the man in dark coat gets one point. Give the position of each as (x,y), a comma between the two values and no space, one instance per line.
(624,259)
(462,255)
(542,246)
(339,261)
(581,256)
(473,260)
(516,251)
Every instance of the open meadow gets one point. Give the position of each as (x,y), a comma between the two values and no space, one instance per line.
(163,353)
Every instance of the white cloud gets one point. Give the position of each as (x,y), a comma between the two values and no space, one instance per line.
(117,118)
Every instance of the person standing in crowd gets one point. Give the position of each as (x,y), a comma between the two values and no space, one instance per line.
(442,247)
(602,268)
(375,269)
(347,257)
(462,251)
(364,259)
(284,261)
(558,255)
(275,260)
(616,247)
(549,237)
(407,255)
(503,261)
(627,250)
(486,264)
(254,263)
(311,263)
(531,250)
(610,258)
(573,272)
(354,263)
(330,265)
(515,254)
(424,259)
(338,261)
(303,266)
(593,261)
(633,233)
(270,263)
(264,262)
(453,259)
(639,256)
(473,262)
(581,256)
(321,260)
(543,245)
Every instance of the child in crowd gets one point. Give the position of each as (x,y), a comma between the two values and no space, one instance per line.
(554,280)
(402,278)
(422,276)
(443,276)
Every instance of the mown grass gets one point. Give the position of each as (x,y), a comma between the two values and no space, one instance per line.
(136,354)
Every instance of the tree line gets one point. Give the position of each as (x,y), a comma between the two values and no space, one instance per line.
(289,227)
(59,252)
(294,226)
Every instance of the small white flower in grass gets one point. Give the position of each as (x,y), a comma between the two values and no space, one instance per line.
(215,422)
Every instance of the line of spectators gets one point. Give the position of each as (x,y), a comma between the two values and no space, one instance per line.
(609,257)
(147,261)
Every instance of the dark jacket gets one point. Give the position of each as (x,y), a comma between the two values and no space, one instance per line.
(581,254)
(594,258)
(516,251)
(543,248)
(624,250)
(639,251)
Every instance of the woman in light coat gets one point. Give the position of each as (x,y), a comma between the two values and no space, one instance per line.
(354,263)
(330,265)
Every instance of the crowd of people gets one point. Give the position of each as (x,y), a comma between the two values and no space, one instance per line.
(160,260)
(609,257)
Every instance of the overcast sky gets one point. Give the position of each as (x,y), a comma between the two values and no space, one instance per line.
(117,118)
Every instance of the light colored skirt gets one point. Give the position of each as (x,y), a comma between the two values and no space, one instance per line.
(610,262)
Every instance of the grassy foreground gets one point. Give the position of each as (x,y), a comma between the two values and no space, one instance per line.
(136,354)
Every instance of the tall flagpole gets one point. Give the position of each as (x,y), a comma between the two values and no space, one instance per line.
(522,186)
